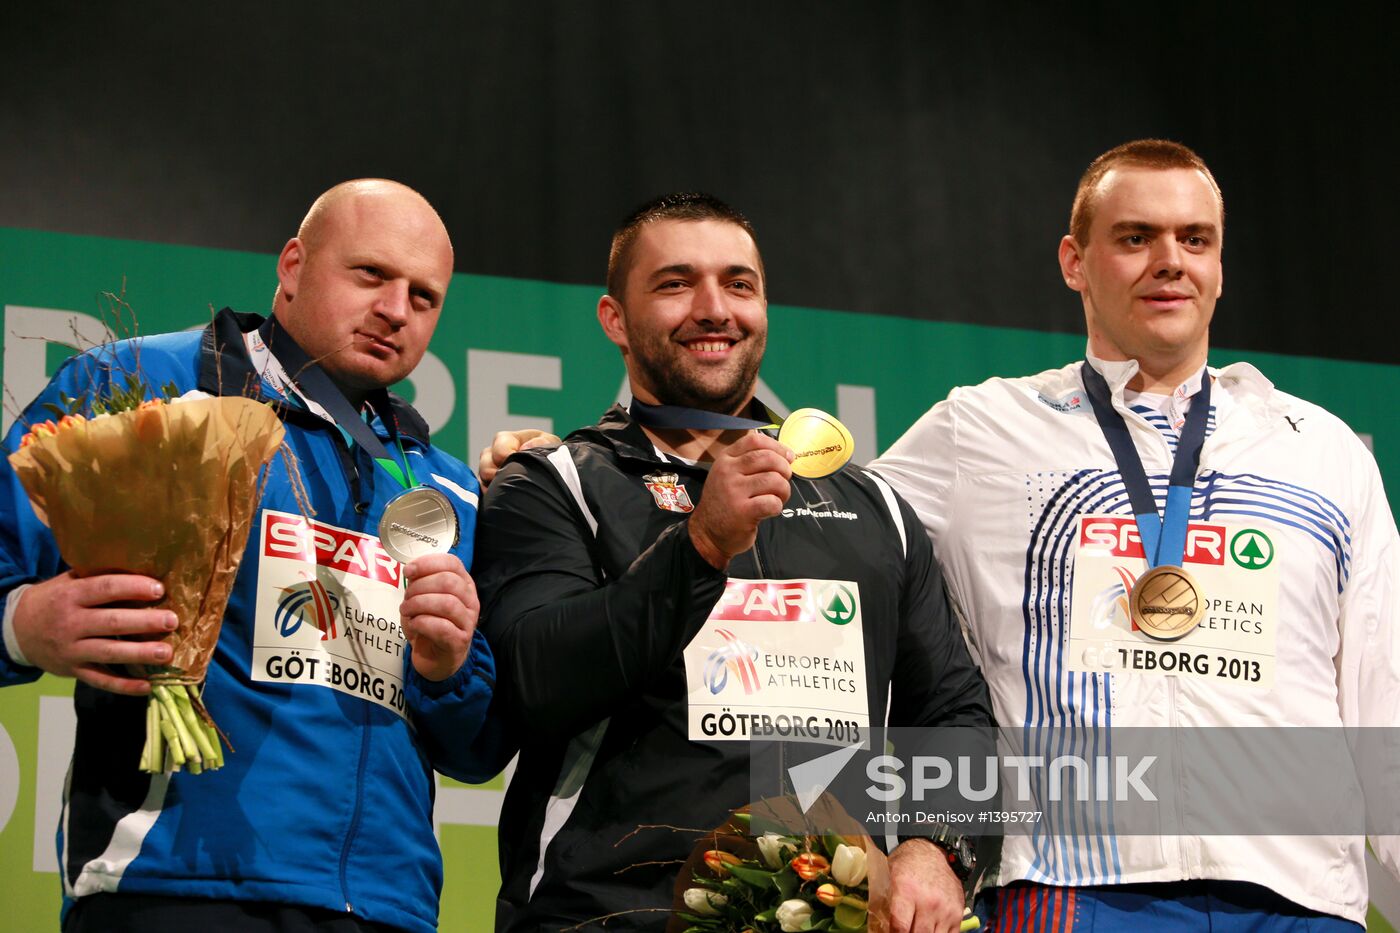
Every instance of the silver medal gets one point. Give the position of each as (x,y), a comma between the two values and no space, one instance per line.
(418,522)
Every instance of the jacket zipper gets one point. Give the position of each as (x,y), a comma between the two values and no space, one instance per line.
(1183,857)
(757,557)
(356,491)
(354,829)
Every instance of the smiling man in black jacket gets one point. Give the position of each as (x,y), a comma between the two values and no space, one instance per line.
(648,632)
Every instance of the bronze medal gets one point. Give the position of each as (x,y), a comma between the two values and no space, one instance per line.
(418,522)
(1167,603)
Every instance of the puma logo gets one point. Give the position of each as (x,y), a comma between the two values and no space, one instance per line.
(1294,424)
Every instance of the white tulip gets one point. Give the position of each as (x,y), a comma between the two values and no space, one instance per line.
(703,902)
(770,847)
(793,914)
(848,865)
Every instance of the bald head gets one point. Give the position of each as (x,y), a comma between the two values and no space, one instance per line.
(351,196)
(361,285)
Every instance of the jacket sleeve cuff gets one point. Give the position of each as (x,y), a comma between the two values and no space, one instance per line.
(14,666)
(452,714)
(12,653)
(480,665)
(701,569)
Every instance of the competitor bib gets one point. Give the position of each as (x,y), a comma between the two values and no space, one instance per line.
(780,659)
(1234,639)
(327,611)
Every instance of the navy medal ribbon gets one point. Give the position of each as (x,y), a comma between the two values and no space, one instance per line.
(415,522)
(1163,535)
(312,380)
(820,443)
(696,419)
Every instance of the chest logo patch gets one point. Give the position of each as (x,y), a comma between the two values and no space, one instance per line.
(669,496)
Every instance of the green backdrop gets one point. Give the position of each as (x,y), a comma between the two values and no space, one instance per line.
(507,353)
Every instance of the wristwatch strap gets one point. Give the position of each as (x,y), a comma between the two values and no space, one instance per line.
(962,857)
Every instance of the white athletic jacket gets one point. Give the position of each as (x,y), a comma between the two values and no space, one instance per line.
(1290,524)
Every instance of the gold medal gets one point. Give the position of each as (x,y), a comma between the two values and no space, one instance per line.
(417,522)
(1166,603)
(821,443)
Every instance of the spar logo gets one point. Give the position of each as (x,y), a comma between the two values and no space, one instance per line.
(733,656)
(310,602)
(833,601)
(838,605)
(292,537)
(1252,549)
(1117,536)
(765,601)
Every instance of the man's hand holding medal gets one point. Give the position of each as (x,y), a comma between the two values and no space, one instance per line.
(438,614)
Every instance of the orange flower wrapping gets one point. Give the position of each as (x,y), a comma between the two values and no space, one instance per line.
(166,490)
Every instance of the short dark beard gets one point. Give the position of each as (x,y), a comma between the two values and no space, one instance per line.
(672,389)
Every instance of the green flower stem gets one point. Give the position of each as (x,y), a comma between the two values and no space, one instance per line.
(179,732)
(151,754)
(218,746)
(193,724)
(172,739)
(157,738)
(172,715)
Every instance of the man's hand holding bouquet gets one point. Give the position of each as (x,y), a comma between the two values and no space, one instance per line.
(164,488)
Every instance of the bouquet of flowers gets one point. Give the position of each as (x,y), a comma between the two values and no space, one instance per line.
(821,872)
(826,874)
(167,489)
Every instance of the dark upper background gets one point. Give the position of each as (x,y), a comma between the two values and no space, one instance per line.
(911,158)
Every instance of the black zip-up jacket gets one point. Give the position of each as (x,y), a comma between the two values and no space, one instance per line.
(589,626)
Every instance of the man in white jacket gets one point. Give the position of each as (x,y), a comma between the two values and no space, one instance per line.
(1284,572)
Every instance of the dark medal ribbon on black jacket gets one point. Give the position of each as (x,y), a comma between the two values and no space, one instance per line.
(697,419)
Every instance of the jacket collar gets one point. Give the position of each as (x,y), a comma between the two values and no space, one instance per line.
(225,369)
(1242,381)
(1118,373)
(617,431)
